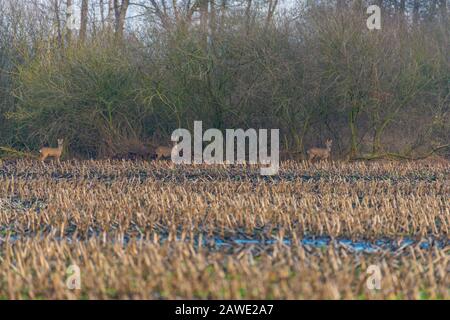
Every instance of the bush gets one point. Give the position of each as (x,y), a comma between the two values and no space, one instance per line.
(88,95)
(323,75)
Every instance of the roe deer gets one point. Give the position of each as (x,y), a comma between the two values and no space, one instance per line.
(320,153)
(163,152)
(52,152)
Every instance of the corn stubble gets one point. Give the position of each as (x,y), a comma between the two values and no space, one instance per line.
(149,230)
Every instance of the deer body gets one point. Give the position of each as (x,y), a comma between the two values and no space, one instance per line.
(320,153)
(163,152)
(52,152)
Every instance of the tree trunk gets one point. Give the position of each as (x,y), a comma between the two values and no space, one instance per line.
(433,10)
(248,9)
(380,3)
(203,8)
(58,22)
(84,20)
(402,7)
(353,116)
(175,11)
(270,12)
(416,8)
(110,18)
(443,11)
(68,16)
(120,14)
(102,13)
(212,17)
(401,13)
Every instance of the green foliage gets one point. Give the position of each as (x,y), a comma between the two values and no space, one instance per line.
(325,75)
(87,95)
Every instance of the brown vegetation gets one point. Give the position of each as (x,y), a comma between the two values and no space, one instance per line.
(315,72)
(150,230)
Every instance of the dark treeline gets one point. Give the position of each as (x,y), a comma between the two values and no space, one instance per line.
(134,71)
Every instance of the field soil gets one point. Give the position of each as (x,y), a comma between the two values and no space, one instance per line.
(154,230)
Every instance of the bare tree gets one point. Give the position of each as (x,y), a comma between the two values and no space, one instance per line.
(110,17)
(340,4)
(271,10)
(402,7)
(443,11)
(84,20)
(56,12)
(69,16)
(416,9)
(120,13)
(102,13)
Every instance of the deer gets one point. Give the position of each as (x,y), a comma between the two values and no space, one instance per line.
(165,152)
(52,152)
(320,153)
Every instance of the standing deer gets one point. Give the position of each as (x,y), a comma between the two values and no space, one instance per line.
(164,152)
(52,152)
(321,153)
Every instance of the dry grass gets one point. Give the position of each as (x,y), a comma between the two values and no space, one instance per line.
(148,230)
